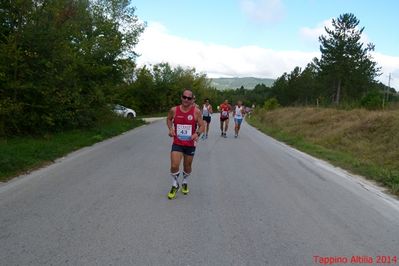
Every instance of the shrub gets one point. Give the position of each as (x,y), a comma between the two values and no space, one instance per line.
(372,100)
(271,104)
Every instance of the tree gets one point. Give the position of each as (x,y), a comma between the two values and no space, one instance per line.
(59,59)
(156,89)
(345,64)
(280,89)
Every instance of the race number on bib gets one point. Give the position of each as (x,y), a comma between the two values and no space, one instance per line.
(184,132)
(225,113)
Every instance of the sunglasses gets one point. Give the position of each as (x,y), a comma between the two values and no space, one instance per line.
(184,97)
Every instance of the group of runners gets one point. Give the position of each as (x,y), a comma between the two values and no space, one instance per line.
(238,115)
(186,123)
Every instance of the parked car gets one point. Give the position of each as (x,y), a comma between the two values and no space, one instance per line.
(124,111)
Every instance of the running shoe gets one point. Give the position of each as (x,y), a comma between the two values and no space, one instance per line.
(184,189)
(173,191)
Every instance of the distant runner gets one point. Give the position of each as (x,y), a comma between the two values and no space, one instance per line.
(182,123)
(224,109)
(206,116)
(238,114)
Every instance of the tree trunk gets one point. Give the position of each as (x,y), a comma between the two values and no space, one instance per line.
(338,94)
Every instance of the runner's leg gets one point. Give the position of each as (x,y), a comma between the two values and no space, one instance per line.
(175,159)
(235,127)
(187,161)
(239,121)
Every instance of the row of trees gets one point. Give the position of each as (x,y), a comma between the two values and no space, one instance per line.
(154,89)
(157,88)
(60,61)
(345,73)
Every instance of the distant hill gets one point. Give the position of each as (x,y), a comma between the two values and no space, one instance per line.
(248,83)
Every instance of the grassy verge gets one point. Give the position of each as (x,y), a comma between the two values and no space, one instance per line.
(363,142)
(22,154)
(153,115)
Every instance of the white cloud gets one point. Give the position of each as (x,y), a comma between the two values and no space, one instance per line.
(157,45)
(389,65)
(311,35)
(263,10)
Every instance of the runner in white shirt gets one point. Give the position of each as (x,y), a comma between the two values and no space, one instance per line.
(238,114)
(206,116)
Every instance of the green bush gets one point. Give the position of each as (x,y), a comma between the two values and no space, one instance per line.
(271,104)
(372,100)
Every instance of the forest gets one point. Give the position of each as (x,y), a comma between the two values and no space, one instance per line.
(64,62)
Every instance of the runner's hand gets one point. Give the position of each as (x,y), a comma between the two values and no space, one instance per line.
(172,132)
(195,136)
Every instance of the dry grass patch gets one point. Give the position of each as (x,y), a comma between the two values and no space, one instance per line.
(371,137)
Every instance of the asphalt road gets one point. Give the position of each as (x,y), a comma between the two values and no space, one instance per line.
(252,201)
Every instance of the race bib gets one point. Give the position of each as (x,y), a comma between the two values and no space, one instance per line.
(225,114)
(184,132)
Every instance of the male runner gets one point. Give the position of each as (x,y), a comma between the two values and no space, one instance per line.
(182,123)
(224,117)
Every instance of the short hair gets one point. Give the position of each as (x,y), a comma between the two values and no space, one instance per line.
(192,94)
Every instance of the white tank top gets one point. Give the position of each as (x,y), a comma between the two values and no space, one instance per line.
(205,110)
(238,112)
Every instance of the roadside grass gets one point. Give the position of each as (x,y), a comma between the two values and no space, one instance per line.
(19,155)
(360,141)
(164,114)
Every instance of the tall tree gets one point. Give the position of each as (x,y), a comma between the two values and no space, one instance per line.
(59,58)
(280,89)
(345,64)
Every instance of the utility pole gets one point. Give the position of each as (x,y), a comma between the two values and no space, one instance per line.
(389,86)
(385,92)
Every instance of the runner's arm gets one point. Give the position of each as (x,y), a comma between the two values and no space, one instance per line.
(169,121)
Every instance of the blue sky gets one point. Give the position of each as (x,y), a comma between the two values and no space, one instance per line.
(260,38)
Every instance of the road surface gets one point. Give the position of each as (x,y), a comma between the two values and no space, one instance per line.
(252,201)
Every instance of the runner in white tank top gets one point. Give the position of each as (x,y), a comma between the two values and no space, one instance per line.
(206,116)
(238,114)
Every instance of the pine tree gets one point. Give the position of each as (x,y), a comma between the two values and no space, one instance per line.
(345,64)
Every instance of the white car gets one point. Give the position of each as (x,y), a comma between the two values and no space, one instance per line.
(124,111)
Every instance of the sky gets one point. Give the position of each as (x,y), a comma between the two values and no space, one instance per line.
(259,38)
